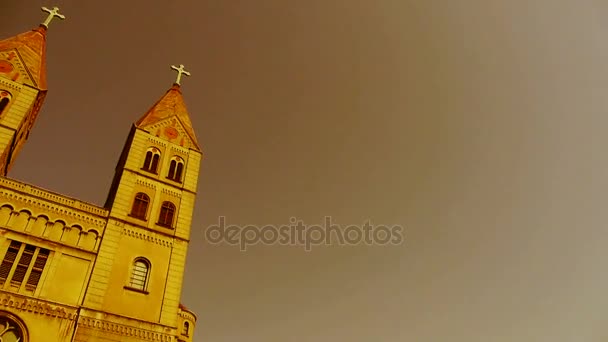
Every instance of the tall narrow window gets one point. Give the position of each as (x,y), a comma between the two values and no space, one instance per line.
(19,261)
(155,159)
(139,274)
(3,103)
(9,260)
(176,169)
(22,266)
(172,169)
(140,206)
(186,328)
(147,161)
(167,211)
(36,272)
(151,160)
(5,98)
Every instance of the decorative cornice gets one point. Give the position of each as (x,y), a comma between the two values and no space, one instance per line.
(58,209)
(187,315)
(145,184)
(171,193)
(124,330)
(161,181)
(156,141)
(167,233)
(183,151)
(37,306)
(12,85)
(58,199)
(147,236)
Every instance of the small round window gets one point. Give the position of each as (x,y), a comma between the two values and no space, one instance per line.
(11,328)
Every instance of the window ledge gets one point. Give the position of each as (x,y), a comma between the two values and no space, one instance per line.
(164,225)
(138,218)
(150,171)
(135,290)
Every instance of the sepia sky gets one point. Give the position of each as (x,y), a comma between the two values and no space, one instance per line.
(478,125)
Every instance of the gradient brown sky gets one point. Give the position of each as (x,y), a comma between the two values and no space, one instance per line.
(479,125)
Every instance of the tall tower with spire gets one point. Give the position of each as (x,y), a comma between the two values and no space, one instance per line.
(72,271)
(22,87)
(150,205)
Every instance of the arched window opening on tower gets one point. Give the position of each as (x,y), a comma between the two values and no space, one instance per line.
(176,168)
(151,161)
(167,211)
(5,99)
(186,329)
(140,206)
(140,274)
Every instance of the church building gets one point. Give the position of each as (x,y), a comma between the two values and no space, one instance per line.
(75,271)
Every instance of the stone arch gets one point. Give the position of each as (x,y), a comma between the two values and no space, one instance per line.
(88,239)
(5,214)
(39,226)
(176,168)
(54,230)
(19,219)
(152,160)
(71,234)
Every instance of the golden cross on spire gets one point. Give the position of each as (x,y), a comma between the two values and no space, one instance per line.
(180,71)
(52,14)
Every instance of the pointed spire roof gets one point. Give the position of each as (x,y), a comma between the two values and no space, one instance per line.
(31,48)
(170,105)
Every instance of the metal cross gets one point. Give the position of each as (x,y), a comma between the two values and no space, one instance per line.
(180,71)
(52,14)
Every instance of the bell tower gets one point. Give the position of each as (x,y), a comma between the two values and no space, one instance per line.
(22,87)
(142,255)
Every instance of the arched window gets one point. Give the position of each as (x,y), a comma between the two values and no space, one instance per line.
(178,171)
(5,98)
(176,168)
(140,206)
(167,211)
(172,169)
(151,161)
(186,329)
(140,274)
(12,328)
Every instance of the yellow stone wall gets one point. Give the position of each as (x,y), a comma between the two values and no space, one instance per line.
(164,247)
(71,230)
(92,253)
(45,321)
(83,291)
(18,118)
